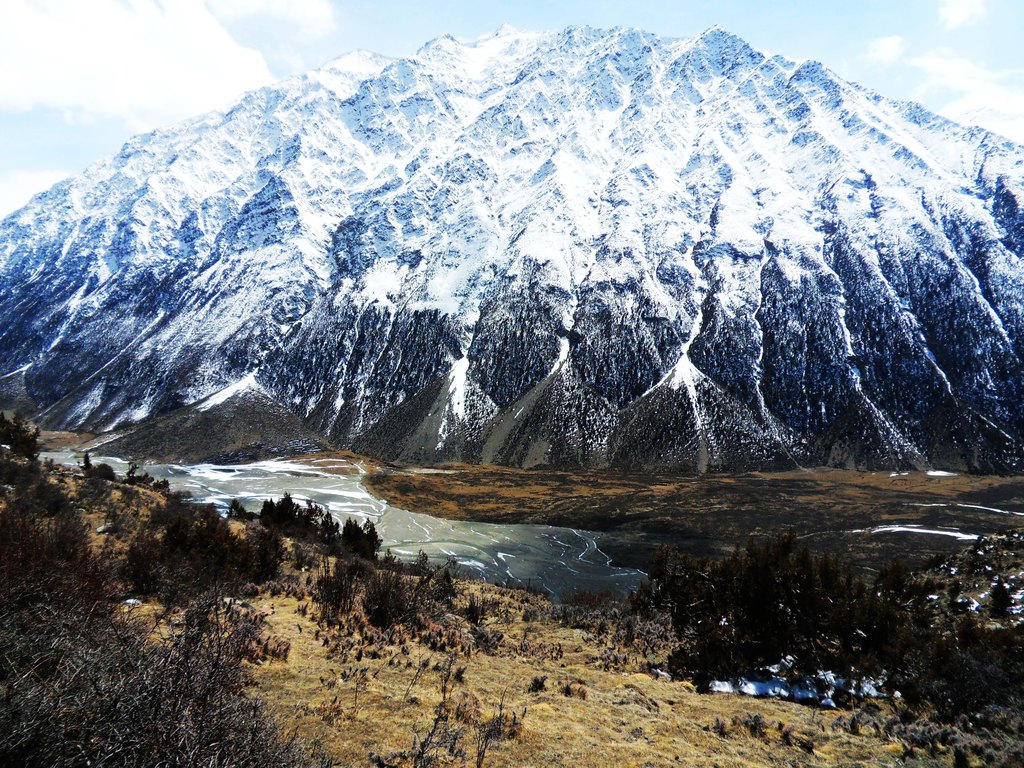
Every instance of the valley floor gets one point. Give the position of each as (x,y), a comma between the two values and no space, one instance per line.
(868,517)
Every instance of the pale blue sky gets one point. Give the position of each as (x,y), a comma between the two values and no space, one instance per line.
(79,78)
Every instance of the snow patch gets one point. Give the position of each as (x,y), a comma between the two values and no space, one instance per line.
(928,531)
(380,283)
(16,371)
(457,386)
(819,688)
(249,382)
(991,509)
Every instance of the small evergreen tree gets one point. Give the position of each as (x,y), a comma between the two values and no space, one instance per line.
(266,553)
(1000,601)
(237,511)
(362,541)
(21,437)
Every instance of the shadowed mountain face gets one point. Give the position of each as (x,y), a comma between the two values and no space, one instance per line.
(582,248)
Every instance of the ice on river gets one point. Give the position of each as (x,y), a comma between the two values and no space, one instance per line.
(558,560)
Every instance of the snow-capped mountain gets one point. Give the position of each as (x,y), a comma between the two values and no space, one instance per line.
(585,247)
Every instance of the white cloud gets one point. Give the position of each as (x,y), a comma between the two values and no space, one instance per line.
(957,13)
(886,51)
(146,62)
(978,95)
(312,18)
(16,187)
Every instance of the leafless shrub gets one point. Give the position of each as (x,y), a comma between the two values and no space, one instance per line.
(420,669)
(440,738)
(502,726)
(386,598)
(467,708)
(336,586)
(755,725)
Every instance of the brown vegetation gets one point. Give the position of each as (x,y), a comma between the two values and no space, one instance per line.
(87,681)
(377,662)
(712,514)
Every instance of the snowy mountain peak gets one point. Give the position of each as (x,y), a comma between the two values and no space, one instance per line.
(727,48)
(361,63)
(580,247)
(507,30)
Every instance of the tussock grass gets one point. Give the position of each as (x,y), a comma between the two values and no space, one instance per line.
(626,718)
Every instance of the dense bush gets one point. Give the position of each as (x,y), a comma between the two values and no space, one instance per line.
(189,548)
(336,586)
(31,487)
(141,567)
(967,669)
(101,471)
(389,592)
(84,684)
(386,598)
(266,553)
(776,600)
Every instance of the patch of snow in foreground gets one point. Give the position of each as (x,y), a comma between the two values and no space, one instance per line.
(940,473)
(819,689)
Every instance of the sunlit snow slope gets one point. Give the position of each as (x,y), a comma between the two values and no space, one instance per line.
(584,247)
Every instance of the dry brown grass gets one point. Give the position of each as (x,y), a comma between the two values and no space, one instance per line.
(100,502)
(624,718)
(57,441)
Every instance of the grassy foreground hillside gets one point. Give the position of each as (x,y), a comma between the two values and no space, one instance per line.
(294,644)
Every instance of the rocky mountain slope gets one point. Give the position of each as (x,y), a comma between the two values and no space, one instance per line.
(585,247)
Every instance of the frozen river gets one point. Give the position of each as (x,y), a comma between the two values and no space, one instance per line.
(558,560)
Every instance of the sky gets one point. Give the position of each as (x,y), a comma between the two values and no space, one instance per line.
(78,78)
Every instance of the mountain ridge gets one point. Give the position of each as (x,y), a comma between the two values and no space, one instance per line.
(581,248)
